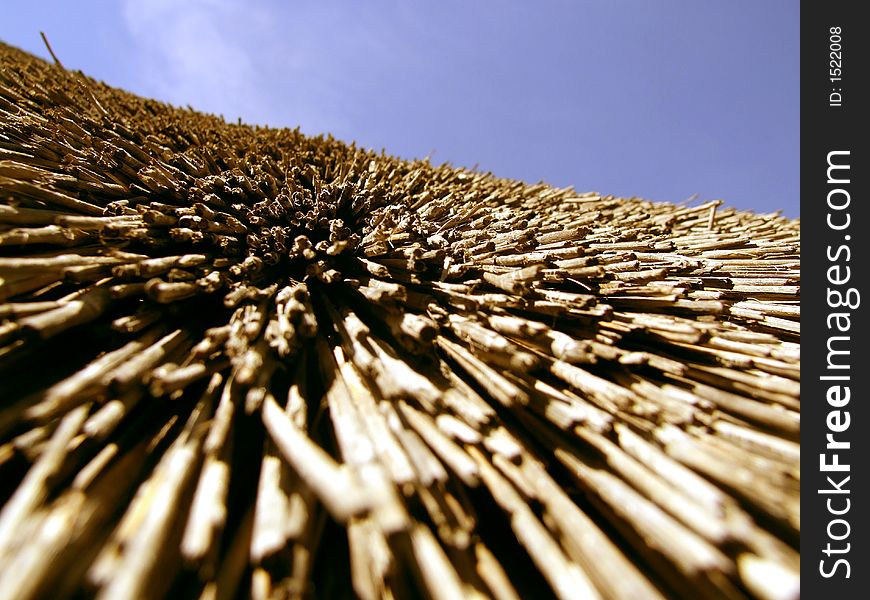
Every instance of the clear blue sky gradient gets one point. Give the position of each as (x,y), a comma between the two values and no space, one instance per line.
(661,100)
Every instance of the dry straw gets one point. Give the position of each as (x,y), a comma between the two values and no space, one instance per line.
(242,362)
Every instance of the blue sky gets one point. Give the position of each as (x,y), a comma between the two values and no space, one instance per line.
(660,100)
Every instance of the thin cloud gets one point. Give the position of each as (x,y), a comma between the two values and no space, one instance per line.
(192,53)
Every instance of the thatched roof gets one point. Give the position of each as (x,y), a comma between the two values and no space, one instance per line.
(240,359)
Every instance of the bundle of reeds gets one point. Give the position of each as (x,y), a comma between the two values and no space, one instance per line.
(242,362)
